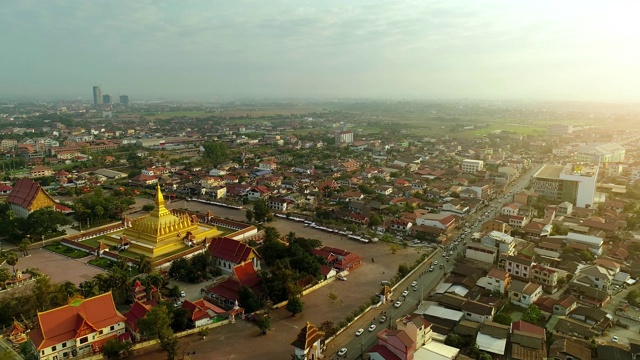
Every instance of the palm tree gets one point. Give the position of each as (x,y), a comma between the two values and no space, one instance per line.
(24,246)
(144,264)
(291,236)
(68,289)
(12,259)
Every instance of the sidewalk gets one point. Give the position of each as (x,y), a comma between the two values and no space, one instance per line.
(5,345)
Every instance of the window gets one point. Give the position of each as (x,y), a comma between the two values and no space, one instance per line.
(468,314)
(53,348)
(100,332)
(64,344)
(112,328)
(84,340)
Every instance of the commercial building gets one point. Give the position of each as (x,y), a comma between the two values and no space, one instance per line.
(106,99)
(575,183)
(470,166)
(97,95)
(601,153)
(124,100)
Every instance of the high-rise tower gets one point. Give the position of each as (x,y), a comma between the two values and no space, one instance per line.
(97,95)
(124,100)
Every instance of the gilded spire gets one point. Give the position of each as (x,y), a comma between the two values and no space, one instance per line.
(159,197)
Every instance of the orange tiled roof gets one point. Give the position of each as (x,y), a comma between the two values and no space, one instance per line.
(24,193)
(63,323)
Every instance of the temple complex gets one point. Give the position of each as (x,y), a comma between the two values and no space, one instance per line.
(162,231)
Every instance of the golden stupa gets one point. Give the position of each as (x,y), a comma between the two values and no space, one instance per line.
(162,231)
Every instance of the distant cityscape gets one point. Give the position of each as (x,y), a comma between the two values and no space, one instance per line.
(106,99)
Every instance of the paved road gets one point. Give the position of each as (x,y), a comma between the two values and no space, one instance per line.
(427,281)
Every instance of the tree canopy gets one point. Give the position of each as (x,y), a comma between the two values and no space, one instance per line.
(216,152)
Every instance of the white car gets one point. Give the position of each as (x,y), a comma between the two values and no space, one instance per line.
(359,332)
(414,283)
(342,352)
(372,327)
(405,293)
(435,262)
(614,338)
(182,293)
(397,304)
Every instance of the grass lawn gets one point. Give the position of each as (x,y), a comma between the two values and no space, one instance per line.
(92,242)
(107,264)
(66,251)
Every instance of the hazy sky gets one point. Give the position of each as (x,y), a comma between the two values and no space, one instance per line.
(346,48)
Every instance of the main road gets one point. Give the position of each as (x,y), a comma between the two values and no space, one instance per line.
(426,282)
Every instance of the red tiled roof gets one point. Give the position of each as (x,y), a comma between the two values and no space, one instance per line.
(5,187)
(24,193)
(384,352)
(243,275)
(528,328)
(63,323)
(137,312)
(231,250)
(201,309)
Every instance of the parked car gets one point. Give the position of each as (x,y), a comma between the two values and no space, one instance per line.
(359,332)
(182,293)
(372,327)
(614,338)
(383,319)
(414,283)
(397,304)
(342,352)
(405,293)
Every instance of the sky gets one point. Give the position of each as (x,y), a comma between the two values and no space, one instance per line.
(405,49)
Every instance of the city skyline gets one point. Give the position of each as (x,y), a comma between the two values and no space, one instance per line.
(365,49)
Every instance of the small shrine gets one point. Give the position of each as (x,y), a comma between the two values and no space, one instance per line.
(18,334)
(309,343)
(237,310)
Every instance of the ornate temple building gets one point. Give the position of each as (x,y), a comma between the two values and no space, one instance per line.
(309,343)
(162,231)
(28,196)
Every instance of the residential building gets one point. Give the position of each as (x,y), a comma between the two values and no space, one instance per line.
(524,293)
(492,338)
(575,183)
(481,252)
(505,243)
(397,342)
(435,350)
(40,171)
(517,266)
(124,100)
(569,349)
(226,292)
(470,166)
(545,276)
(258,192)
(596,277)
(415,324)
(477,311)
(559,129)
(527,341)
(496,280)
(78,329)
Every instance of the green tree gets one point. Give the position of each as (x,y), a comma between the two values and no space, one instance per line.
(271,234)
(454,340)
(264,323)
(532,314)
(5,275)
(157,325)
(375,220)
(485,356)
(260,210)
(45,221)
(24,246)
(295,305)
(403,270)
(115,349)
(12,259)
(502,318)
(180,319)
(248,299)
(148,207)
(394,248)
(586,255)
(216,152)
(5,355)
(249,215)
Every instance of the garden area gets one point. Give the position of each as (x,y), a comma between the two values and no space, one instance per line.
(58,248)
(107,264)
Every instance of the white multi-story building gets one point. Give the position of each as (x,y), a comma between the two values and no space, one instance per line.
(575,183)
(471,166)
(505,243)
(344,137)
